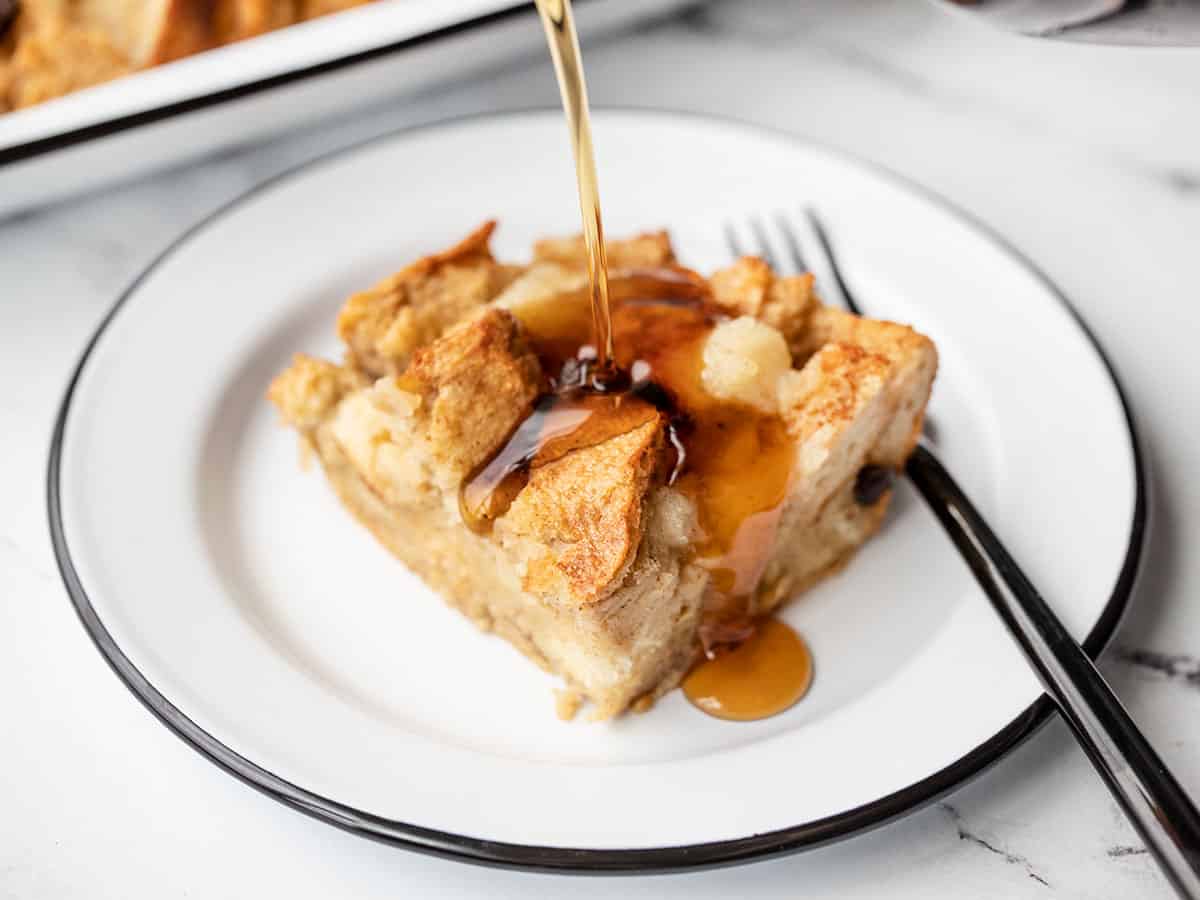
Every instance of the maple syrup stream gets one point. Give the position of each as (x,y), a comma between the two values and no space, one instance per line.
(559,23)
(639,360)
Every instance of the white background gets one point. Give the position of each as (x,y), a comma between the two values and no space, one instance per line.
(1088,159)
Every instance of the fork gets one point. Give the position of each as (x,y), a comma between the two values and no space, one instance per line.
(1159,809)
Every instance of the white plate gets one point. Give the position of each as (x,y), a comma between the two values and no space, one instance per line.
(238,600)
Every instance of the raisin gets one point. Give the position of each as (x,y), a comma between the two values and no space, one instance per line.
(872,483)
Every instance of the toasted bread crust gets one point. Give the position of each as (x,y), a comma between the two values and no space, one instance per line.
(750,288)
(236,20)
(186,28)
(307,392)
(49,57)
(643,251)
(383,327)
(476,383)
(913,360)
(584,515)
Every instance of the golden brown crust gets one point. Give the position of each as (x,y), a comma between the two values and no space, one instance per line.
(831,391)
(7,46)
(584,514)
(50,57)
(58,47)
(382,327)
(750,288)
(308,391)
(312,9)
(913,359)
(186,28)
(236,20)
(476,383)
(889,339)
(643,251)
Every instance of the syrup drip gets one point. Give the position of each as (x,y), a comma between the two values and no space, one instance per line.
(561,331)
(559,23)
(762,676)
(560,423)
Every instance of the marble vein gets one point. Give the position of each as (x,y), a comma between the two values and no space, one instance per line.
(1182,181)
(1013,859)
(1122,850)
(1180,667)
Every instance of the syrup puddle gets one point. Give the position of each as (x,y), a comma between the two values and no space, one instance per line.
(762,676)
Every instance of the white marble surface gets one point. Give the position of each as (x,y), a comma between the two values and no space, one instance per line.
(1087,158)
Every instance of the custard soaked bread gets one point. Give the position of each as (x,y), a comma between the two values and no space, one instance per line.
(611,535)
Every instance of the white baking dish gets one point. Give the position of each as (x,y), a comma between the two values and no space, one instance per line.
(255,88)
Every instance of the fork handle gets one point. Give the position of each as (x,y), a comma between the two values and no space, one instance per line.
(1153,800)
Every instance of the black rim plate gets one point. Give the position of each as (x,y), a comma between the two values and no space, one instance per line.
(559,859)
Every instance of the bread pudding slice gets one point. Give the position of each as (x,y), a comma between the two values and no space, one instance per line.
(750,462)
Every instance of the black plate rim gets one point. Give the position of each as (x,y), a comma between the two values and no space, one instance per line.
(464,848)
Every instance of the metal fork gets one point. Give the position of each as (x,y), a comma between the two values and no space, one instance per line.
(1161,812)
